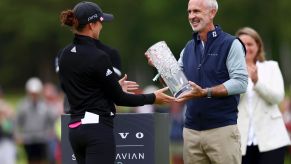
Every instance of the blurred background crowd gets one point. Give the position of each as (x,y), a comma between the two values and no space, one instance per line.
(31,101)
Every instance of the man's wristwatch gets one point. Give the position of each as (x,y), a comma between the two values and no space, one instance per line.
(208,92)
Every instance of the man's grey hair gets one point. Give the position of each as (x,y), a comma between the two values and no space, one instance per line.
(212,4)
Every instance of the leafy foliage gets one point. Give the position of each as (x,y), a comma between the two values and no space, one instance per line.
(31,35)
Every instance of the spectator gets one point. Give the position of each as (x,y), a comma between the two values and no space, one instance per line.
(34,123)
(7,143)
(263,134)
(54,100)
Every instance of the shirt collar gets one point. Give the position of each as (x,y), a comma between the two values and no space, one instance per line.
(210,35)
(82,39)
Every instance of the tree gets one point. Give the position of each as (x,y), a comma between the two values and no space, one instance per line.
(31,34)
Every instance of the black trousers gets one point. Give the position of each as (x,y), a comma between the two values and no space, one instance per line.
(36,152)
(93,144)
(253,156)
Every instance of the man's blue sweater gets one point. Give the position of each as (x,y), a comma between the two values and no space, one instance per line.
(207,68)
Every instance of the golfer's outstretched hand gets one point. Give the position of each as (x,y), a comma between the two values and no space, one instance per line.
(161,97)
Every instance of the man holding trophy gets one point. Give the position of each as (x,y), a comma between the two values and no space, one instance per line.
(214,63)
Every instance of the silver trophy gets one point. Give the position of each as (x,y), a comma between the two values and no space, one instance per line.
(167,66)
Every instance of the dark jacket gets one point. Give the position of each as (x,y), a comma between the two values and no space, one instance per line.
(87,78)
(209,69)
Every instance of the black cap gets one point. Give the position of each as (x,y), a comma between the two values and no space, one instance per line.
(87,12)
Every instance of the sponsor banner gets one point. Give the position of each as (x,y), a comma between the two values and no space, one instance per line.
(140,138)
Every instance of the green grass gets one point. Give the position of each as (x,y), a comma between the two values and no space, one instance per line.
(287,159)
(21,158)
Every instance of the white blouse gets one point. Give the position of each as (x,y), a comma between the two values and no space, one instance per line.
(250,96)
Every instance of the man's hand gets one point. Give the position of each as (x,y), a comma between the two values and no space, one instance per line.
(128,86)
(196,92)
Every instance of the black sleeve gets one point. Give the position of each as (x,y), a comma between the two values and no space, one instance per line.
(114,55)
(115,58)
(112,88)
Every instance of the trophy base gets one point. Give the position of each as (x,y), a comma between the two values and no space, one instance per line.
(184,89)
